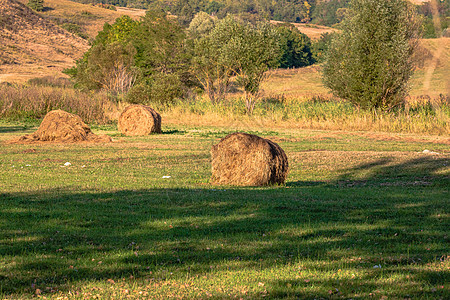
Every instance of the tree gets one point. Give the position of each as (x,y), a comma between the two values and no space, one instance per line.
(108,67)
(37,5)
(109,63)
(255,51)
(162,55)
(201,25)
(235,48)
(210,64)
(295,47)
(371,61)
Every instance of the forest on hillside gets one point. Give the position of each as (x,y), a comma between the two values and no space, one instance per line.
(322,12)
(318,11)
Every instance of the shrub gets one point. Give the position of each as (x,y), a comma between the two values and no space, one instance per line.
(34,102)
(370,62)
(295,47)
(37,5)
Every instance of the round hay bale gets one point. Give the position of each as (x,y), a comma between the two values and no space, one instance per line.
(64,127)
(139,120)
(247,159)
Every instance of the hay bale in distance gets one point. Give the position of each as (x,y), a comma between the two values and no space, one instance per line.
(63,127)
(248,160)
(139,120)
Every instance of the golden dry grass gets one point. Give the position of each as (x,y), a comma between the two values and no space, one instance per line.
(68,9)
(313,31)
(432,79)
(41,48)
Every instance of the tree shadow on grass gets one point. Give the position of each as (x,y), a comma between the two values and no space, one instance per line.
(173,131)
(53,237)
(6,129)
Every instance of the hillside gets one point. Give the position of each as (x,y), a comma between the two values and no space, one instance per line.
(33,45)
(89,18)
(313,31)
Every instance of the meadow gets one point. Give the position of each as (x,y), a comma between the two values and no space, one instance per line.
(362,215)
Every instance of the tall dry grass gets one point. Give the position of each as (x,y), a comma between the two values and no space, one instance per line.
(425,116)
(31,102)
(421,115)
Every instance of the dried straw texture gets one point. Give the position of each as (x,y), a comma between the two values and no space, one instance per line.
(139,120)
(248,160)
(62,127)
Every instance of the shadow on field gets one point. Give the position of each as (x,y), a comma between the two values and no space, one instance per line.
(174,131)
(388,218)
(12,128)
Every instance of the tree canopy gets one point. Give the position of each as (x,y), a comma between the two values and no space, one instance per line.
(370,62)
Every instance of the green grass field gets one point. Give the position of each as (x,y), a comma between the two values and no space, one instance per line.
(360,216)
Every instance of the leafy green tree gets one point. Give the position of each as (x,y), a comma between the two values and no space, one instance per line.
(109,63)
(330,12)
(235,48)
(108,67)
(320,47)
(201,25)
(371,61)
(162,55)
(37,5)
(257,52)
(295,47)
(210,63)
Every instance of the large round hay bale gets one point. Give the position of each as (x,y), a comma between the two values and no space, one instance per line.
(139,120)
(61,126)
(247,159)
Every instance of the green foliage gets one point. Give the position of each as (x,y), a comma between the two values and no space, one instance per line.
(441,13)
(162,56)
(108,67)
(160,44)
(329,13)
(237,48)
(75,29)
(201,25)
(370,62)
(255,50)
(295,47)
(320,47)
(210,63)
(159,89)
(37,5)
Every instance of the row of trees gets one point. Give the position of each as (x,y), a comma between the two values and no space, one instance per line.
(156,59)
(368,63)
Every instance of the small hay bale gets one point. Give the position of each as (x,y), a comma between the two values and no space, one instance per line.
(62,127)
(139,120)
(247,159)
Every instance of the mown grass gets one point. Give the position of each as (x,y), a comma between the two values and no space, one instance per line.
(360,216)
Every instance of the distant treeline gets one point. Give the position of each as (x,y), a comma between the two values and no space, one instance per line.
(322,12)
(304,11)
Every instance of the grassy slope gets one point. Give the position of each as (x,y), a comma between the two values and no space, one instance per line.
(37,51)
(432,79)
(360,216)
